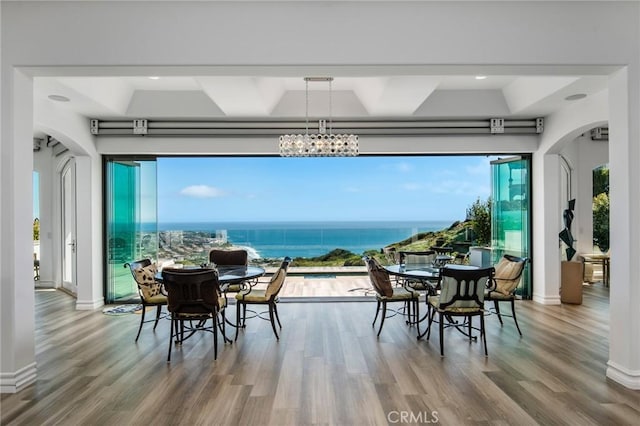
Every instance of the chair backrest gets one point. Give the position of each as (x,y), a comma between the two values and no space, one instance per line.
(379,277)
(425,258)
(508,273)
(442,250)
(191,291)
(144,274)
(391,255)
(277,280)
(229,257)
(463,288)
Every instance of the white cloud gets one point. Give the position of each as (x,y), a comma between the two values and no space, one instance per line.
(201,191)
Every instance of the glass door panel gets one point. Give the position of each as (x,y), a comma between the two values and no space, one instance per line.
(131,222)
(511,213)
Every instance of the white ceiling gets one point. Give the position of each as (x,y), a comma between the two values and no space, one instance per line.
(268,96)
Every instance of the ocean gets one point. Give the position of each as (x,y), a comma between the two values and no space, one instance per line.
(310,239)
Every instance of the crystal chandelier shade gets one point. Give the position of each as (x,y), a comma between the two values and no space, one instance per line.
(319,144)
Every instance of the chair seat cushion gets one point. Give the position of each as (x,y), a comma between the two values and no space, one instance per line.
(435,302)
(494,295)
(233,288)
(255,296)
(158,299)
(400,293)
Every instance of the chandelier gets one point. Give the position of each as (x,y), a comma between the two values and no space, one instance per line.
(321,144)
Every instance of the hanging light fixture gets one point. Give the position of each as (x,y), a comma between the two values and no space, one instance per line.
(321,144)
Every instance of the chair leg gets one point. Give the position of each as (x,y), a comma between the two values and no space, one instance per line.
(244,315)
(141,321)
(158,312)
(376,317)
(441,334)
(416,315)
(431,313)
(273,323)
(513,314)
(484,335)
(215,337)
(469,318)
(384,314)
(496,304)
(275,310)
(171,339)
(238,307)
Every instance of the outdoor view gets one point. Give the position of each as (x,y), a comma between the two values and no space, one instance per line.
(318,211)
(307,207)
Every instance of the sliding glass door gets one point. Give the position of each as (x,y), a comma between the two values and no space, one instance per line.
(131,222)
(511,213)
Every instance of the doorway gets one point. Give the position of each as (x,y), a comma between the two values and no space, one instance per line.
(68,214)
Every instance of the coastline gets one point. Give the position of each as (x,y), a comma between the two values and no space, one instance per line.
(271,243)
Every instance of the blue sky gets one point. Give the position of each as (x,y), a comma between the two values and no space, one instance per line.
(224,189)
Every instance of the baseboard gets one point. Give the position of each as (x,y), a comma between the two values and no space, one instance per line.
(15,382)
(45,284)
(89,305)
(627,378)
(546,300)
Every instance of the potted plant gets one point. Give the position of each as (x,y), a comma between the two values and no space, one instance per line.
(571,271)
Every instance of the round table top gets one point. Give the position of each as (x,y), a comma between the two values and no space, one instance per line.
(422,272)
(417,271)
(230,274)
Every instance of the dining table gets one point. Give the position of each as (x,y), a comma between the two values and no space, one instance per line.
(229,274)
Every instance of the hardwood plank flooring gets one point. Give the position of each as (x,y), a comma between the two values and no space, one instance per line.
(327,369)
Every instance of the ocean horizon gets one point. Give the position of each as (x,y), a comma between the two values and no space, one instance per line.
(310,239)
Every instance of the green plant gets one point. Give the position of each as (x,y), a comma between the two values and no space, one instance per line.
(36,229)
(479,213)
(601,208)
(601,221)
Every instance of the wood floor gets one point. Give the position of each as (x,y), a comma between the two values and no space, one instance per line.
(328,368)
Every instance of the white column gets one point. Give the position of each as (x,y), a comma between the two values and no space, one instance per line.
(624,182)
(17,301)
(546,225)
(89,251)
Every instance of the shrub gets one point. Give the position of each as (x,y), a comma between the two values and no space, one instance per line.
(601,221)
(479,213)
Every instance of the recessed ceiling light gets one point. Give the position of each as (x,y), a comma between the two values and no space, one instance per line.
(155,77)
(575,97)
(59,98)
(481,77)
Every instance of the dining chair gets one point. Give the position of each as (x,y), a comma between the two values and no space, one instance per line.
(150,291)
(229,258)
(503,288)
(267,296)
(418,259)
(461,295)
(193,297)
(387,293)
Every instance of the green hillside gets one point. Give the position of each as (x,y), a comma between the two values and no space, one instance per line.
(458,236)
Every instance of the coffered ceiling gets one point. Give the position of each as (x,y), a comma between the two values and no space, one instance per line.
(371,95)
